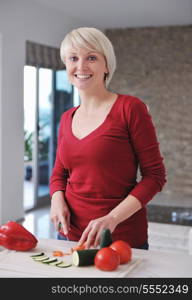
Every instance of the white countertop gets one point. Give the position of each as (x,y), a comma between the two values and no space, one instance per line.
(144,264)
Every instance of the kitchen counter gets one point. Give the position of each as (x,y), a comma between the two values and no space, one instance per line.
(144,264)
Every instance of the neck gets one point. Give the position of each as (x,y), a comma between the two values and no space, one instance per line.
(91,101)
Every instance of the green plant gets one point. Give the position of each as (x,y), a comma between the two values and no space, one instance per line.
(28,144)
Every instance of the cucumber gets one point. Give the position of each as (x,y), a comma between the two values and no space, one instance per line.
(41,258)
(49,260)
(106,238)
(64,265)
(38,254)
(55,263)
(52,261)
(84,257)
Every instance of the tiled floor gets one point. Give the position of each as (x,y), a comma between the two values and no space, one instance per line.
(164,237)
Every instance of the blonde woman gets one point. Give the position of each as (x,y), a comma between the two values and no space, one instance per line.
(101,144)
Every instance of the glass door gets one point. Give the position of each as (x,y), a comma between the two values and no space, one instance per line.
(44,125)
(30,90)
(47,94)
(63,100)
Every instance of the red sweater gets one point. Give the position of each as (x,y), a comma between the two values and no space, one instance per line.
(98,171)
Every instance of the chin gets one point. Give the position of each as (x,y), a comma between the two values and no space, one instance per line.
(80,88)
(83,86)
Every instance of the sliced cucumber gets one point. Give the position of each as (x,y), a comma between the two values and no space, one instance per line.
(38,254)
(41,258)
(84,257)
(64,264)
(106,238)
(49,260)
(55,263)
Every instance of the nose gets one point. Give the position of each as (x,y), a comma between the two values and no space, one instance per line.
(81,64)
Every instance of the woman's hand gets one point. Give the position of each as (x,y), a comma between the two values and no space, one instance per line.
(91,234)
(121,212)
(59,212)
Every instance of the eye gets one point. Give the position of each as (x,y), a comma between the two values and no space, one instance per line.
(92,57)
(73,58)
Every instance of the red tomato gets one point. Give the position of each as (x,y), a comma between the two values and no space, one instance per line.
(123,249)
(107,259)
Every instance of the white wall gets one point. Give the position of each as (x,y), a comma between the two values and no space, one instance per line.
(0,118)
(20,21)
(127,13)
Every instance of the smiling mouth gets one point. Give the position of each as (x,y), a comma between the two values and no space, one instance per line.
(84,76)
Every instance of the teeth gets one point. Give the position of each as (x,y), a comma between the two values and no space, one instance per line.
(83,76)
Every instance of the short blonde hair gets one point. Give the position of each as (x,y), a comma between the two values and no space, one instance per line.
(94,40)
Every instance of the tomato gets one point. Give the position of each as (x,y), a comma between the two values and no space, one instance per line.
(123,249)
(107,259)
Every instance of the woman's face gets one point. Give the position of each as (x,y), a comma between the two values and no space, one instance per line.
(85,68)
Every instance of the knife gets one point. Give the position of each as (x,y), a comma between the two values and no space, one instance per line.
(66,236)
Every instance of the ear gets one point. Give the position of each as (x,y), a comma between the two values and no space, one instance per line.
(64,60)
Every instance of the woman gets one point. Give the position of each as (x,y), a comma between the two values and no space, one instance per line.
(101,144)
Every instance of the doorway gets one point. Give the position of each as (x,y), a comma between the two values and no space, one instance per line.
(47,94)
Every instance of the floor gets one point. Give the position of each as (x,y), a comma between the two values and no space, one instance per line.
(164,237)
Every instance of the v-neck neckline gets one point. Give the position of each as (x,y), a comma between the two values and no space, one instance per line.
(98,128)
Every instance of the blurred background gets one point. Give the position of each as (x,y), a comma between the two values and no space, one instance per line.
(153,44)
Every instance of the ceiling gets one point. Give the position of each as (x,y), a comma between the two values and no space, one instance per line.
(125,13)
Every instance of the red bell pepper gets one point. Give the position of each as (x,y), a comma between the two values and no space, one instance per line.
(14,236)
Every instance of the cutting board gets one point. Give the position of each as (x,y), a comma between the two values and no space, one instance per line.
(20,264)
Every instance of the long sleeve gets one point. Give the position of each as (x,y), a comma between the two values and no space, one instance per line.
(146,148)
(103,168)
(58,179)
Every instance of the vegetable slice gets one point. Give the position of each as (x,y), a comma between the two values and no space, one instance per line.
(84,257)
(41,258)
(79,247)
(58,253)
(52,261)
(64,265)
(55,263)
(38,254)
(49,260)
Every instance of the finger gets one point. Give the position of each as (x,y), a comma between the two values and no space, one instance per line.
(68,221)
(90,238)
(82,239)
(97,239)
(54,220)
(84,236)
(64,225)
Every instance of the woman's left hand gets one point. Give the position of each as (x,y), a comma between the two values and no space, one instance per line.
(91,234)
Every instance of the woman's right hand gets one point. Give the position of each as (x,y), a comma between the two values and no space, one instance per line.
(59,212)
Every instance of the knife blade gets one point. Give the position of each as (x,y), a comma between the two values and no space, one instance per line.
(66,236)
